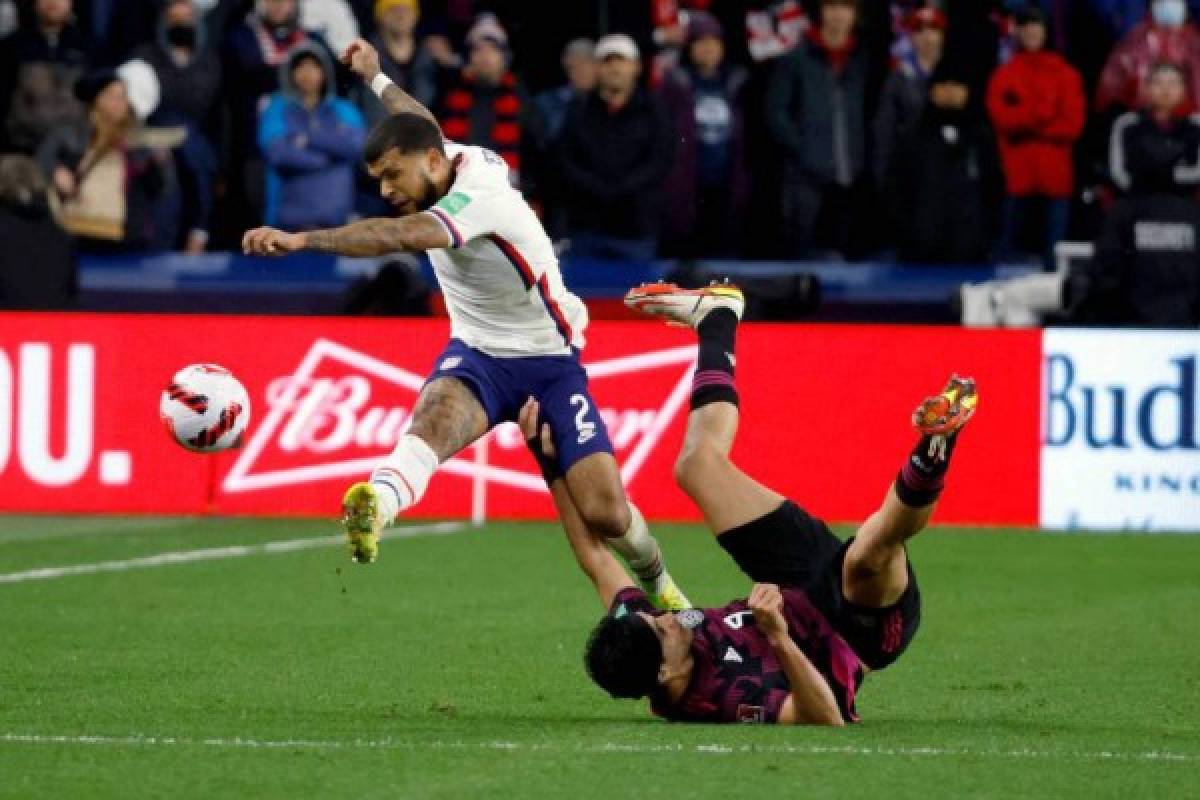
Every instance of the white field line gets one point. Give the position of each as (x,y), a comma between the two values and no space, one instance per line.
(217,553)
(140,740)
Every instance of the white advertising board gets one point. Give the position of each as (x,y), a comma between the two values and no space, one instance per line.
(1120,430)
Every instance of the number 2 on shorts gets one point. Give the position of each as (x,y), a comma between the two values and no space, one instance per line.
(586,428)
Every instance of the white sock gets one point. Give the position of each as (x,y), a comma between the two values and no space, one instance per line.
(404,475)
(640,550)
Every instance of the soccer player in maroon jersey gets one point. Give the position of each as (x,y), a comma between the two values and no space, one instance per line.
(821,612)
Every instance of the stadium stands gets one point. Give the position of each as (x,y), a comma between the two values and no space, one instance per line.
(952,136)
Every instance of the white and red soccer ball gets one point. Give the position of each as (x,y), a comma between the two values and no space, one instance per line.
(205,408)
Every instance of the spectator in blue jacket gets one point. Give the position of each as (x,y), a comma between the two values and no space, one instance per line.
(311,140)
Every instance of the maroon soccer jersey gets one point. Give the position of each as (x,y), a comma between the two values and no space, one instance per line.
(736,677)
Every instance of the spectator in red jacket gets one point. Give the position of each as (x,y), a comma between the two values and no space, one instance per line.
(1038,109)
(1165,36)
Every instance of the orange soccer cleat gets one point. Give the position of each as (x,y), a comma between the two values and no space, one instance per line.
(946,414)
(685,307)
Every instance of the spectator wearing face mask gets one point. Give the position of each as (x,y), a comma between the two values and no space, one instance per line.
(709,183)
(1165,36)
(1119,17)
(189,72)
(1038,110)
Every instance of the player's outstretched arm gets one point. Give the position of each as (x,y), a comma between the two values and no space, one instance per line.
(811,701)
(595,559)
(363,60)
(368,237)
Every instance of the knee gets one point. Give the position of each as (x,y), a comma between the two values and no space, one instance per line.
(606,513)
(696,466)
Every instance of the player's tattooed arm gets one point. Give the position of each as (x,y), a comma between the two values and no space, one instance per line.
(363,60)
(811,701)
(398,101)
(380,236)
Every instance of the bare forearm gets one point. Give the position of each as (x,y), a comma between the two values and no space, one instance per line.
(380,236)
(813,702)
(598,563)
(398,101)
(368,237)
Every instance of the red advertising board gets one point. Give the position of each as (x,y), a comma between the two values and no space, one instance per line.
(825,415)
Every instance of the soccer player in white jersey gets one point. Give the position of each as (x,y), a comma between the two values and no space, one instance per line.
(516,331)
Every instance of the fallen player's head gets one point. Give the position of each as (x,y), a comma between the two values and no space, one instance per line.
(405,152)
(632,655)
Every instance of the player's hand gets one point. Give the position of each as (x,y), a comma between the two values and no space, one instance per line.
(527,420)
(362,59)
(766,603)
(271,242)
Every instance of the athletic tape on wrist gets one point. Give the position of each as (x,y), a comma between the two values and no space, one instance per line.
(380,83)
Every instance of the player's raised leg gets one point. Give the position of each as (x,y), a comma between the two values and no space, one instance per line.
(448,418)
(875,573)
(726,496)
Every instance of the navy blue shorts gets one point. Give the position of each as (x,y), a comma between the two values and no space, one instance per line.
(558,383)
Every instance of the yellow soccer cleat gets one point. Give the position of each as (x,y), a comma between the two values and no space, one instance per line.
(362,521)
(667,595)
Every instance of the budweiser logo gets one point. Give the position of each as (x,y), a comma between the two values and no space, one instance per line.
(342,410)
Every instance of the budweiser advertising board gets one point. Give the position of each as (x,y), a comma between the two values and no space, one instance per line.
(825,415)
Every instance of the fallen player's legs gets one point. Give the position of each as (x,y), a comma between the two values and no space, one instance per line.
(875,572)
(770,538)
(871,595)
(726,496)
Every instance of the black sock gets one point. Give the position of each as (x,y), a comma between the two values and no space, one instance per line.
(713,381)
(921,480)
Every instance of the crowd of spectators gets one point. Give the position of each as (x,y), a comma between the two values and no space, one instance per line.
(933,131)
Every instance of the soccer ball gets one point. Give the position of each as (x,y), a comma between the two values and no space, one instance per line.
(205,408)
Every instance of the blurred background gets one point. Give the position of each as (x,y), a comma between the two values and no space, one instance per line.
(990,162)
(970,164)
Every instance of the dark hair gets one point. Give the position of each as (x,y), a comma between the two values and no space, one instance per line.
(302,56)
(623,656)
(408,133)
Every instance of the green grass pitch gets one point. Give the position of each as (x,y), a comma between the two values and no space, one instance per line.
(1046,666)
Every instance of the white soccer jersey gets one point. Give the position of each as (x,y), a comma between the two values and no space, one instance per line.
(500,277)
